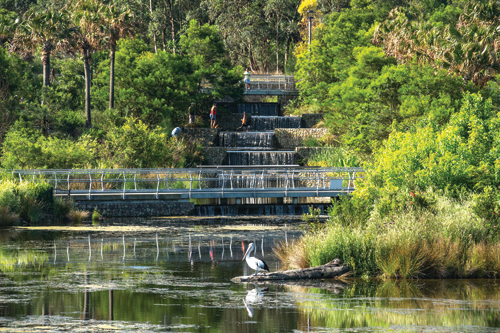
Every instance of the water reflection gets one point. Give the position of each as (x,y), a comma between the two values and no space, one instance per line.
(254,296)
(163,286)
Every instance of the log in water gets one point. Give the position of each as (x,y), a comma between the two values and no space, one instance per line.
(329,270)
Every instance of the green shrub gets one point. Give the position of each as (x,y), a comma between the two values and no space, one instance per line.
(95,216)
(312,142)
(336,157)
(25,148)
(487,207)
(31,201)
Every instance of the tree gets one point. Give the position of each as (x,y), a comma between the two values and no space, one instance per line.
(118,24)
(87,16)
(154,87)
(205,48)
(463,40)
(8,23)
(50,29)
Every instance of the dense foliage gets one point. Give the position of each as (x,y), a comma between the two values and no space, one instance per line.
(411,89)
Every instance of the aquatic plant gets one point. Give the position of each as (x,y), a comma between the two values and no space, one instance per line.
(7,218)
(449,240)
(95,216)
(77,216)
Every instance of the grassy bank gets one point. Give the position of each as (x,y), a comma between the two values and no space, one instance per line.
(446,240)
(33,203)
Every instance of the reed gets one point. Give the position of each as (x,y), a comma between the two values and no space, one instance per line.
(76,216)
(447,241)
(8,218)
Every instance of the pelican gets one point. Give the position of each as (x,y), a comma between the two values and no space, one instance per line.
(254,263)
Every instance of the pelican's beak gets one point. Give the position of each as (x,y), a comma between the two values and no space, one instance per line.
(245,254)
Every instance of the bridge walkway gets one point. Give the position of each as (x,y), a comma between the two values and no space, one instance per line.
(197,183)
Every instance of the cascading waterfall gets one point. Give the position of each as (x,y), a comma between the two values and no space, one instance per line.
(246,139)
(260,157)
(268,123)
(262,109)
(251,180)
(264,210)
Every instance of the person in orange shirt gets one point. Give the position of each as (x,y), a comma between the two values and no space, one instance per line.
(213,119)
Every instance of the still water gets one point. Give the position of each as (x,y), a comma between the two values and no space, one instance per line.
(177,278)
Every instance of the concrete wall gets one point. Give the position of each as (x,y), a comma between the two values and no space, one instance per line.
(289,138)
(138,208)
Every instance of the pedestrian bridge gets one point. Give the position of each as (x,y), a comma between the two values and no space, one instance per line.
(197,183)
(271,85)
(266,85)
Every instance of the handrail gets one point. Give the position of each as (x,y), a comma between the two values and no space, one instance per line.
(254,180)
(181,170)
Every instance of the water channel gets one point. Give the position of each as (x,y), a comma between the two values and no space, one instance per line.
(177,278)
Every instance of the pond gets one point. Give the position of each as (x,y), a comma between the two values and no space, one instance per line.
(177,278)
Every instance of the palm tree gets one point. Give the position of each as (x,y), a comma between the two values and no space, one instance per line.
(8,24)
(50,29)
(118,24)
(87,17)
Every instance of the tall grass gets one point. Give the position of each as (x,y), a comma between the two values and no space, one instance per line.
(449,241)
(334,157)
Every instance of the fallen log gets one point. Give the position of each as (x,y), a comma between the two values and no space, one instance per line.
(332,269)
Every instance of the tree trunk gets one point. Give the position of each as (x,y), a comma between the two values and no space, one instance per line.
(112,76)
(154,32)
(86,66)
(46,50)
(287,49)
(277,51)
(164,38)
(172,25)
(326,271)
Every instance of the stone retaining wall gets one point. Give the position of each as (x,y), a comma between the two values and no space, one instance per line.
(214,155)
(226,121)
(138,208)
(311,119)
(208,137)
(289,138)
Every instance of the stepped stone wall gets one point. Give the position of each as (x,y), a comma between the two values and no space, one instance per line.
(208,137)
(137,208)
(289,138)
(226,121)
(214,156)
(311,119)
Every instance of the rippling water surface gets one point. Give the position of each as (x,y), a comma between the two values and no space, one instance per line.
(177,278)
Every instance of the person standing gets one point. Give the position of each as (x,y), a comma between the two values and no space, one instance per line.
(191,114)
(247,78)
(213,116)
(245,122)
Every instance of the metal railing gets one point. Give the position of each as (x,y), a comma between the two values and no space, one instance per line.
(272,82)
(211,182)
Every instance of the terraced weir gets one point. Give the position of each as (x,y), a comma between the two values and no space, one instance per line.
(269,123)
(255,147)
(260,157)
(257,140)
